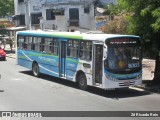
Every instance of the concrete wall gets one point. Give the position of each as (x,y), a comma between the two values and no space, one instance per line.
(86,20)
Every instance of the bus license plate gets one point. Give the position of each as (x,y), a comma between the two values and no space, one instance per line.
(126,83)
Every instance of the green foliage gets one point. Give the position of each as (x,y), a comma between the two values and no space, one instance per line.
(6,7)
(112,9)
(156,24)
(144,20)
(117,26)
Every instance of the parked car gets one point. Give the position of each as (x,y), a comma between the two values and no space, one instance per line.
(2,54)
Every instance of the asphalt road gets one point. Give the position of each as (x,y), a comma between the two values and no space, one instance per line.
(20,91)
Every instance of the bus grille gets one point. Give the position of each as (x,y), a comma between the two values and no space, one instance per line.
(128,83)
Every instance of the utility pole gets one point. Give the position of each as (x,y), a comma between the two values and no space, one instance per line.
(28,14)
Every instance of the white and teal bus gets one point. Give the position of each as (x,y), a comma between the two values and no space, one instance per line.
(106,61)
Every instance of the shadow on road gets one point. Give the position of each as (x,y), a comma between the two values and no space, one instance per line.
(114,94)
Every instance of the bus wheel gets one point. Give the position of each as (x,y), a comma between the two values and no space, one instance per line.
(82,81)
(35,69)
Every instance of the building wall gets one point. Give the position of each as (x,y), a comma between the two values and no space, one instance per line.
(86,20)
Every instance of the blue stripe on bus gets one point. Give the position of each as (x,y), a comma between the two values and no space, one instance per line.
(48,64)
(123,77)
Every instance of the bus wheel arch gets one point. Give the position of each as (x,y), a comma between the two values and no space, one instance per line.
(35,69)
(81,80)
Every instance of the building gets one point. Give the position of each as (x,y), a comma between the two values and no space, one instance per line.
(64,15)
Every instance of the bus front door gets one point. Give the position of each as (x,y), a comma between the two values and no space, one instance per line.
(97,64)
(62,58)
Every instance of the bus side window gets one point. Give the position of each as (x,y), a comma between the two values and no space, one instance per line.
(85,50)
(72,49)
(20,42)
(81,53)
(42,44)
(48,43)
(29,43)
(69,48)
(25,43)
(54,47)
(35,44)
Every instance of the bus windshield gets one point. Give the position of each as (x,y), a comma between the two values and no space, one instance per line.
(123,58)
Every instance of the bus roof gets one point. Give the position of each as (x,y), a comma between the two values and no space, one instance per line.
(73,35)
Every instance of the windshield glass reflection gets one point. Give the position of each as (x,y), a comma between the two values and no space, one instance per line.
(121,58)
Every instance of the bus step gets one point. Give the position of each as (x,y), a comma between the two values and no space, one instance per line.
(63,77)
(98,84)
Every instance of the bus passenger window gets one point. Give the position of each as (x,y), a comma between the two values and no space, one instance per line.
(20,42)
(54,47)
(42,45)
(86,50)
(35,44)
(29,43)
(48,42)
(25,43)
(72,50)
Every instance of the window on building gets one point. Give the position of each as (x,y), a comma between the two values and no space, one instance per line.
(85,50)
(58,12)
(21,19)
(72,50)
(50,15)
(74,17)
(19,1)
(35,18)
(86,10)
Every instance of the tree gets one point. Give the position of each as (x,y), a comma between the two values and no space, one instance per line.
(117,26)
(144,20)
(6,7)
(117,23)
(111,9)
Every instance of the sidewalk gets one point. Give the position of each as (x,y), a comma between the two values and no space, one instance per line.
(147,76)
(148,67)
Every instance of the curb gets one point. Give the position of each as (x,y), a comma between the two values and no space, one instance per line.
(151,89)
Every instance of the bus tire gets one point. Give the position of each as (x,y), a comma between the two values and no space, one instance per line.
(82,81)
(35,69)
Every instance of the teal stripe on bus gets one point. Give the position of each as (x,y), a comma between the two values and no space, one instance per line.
(52,35)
